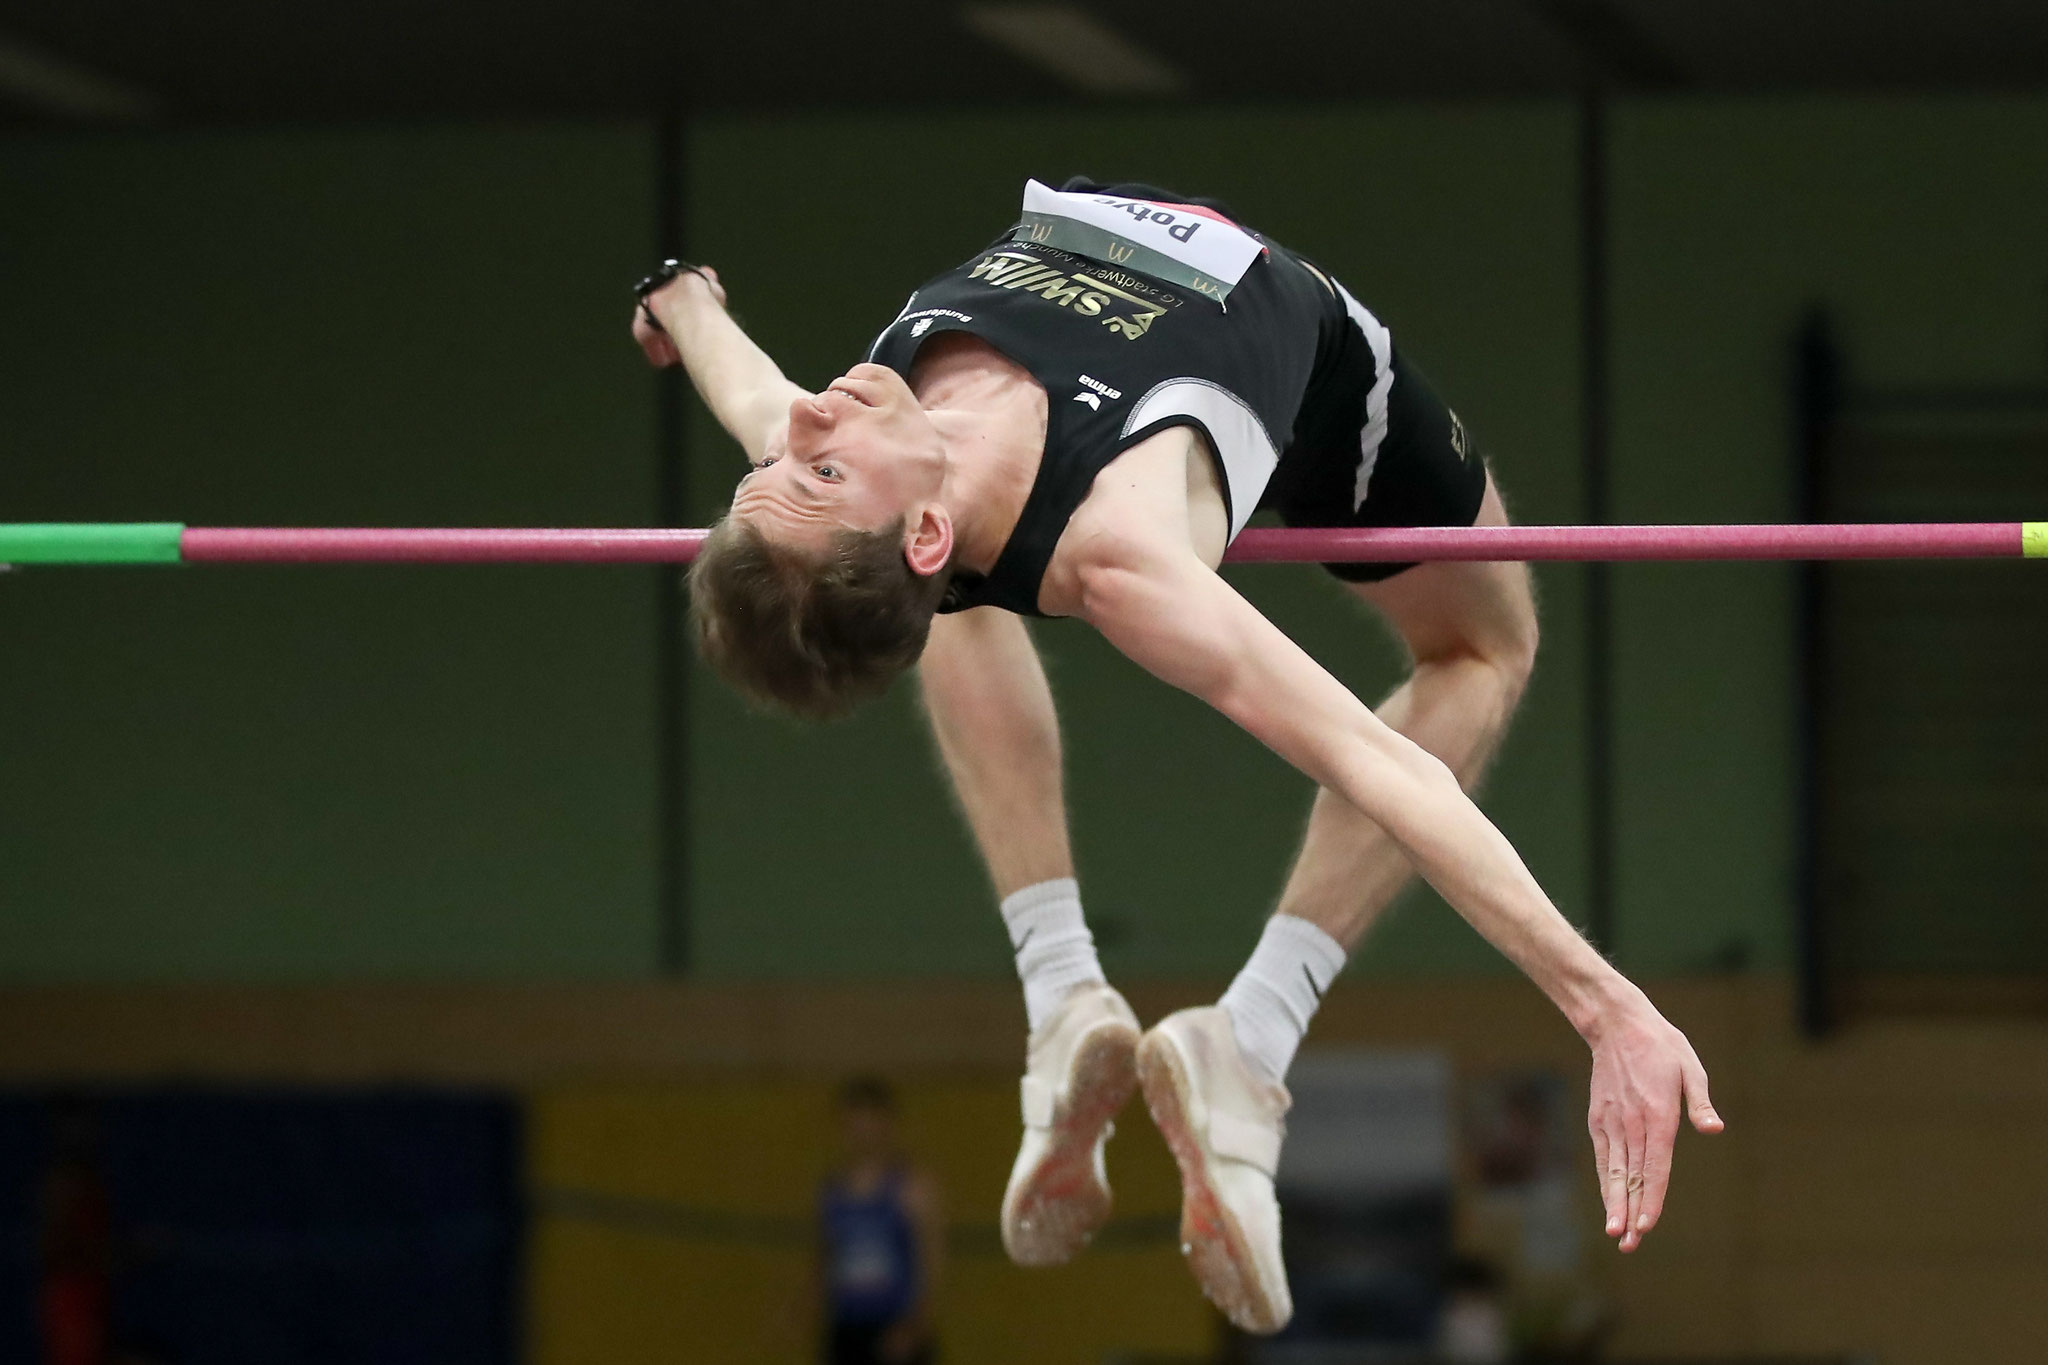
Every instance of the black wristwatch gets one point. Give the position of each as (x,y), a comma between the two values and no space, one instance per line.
(668,271)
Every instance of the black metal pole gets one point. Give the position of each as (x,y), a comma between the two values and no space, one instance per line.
(672,649)
(1817,397)
(1594,417)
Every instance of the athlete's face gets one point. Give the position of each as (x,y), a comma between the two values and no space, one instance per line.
(860,456)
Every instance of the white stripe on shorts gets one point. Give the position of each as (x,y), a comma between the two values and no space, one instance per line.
(1375,431)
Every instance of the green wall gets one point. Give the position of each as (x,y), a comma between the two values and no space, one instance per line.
(303,773)
(1923,226)
(292,774)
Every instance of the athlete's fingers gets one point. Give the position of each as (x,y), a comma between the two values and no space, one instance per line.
(1633,1138)
(1612,1151)
(717,285)
(655,344)
(1661,1133)
(1598,1133)
(1701,1107)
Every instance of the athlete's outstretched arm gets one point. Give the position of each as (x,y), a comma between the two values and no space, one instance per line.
(1160,604)
(743,387)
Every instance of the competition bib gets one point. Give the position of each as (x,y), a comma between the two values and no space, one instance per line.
(1178,244)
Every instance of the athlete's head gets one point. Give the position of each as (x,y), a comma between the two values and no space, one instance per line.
(817,588)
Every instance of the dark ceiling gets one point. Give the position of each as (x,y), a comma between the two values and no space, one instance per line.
(266,60)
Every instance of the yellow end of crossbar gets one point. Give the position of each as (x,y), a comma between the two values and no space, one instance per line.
(2034,539)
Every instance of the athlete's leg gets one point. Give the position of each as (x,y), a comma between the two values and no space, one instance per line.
(1213,1076)
(992,712)
(1372,446)
(1472,631)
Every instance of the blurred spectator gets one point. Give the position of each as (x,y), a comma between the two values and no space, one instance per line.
(77,1240)
(1474,1327)
(880,1240)
(1524,1216)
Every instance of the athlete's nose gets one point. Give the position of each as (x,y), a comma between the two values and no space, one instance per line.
(807,413)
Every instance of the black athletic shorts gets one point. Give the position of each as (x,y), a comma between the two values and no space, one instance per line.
(1426,471)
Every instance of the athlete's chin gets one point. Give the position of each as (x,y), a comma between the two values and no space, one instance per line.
(867,372)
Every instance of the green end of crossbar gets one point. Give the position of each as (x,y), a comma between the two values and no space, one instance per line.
(117,542)
(2034,539)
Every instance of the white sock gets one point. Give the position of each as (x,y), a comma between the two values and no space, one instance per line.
(1274,997)
(1055,951)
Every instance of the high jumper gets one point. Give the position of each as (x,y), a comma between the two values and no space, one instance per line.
(1076,422)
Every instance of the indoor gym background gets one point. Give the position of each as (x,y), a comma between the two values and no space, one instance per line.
(478,859)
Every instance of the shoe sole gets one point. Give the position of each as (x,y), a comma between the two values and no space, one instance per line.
(1215,1246)
(1050,1216)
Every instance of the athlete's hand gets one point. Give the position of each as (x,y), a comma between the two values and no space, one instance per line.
(655,343)
(1644,1074)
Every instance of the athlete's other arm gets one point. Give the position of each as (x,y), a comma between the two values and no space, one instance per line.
(742,386)
(1131,571)
(992,714)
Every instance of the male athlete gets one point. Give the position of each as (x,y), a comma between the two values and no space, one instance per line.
(1076,422)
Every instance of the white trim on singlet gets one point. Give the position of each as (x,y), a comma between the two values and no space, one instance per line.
(882,335)
(1247,452)
(1375,431)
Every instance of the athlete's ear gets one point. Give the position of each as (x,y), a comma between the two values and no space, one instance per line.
(928,541)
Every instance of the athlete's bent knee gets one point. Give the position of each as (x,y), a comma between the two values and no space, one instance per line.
(1515,658)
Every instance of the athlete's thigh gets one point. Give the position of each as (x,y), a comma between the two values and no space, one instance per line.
(1442,609)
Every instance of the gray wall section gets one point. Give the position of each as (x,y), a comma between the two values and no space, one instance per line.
(302,773)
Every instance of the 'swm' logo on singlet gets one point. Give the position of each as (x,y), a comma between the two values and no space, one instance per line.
(1122,312)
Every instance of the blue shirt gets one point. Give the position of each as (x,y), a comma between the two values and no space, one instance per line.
(871,1270)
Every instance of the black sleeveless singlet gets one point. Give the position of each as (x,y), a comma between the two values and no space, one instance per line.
(1122,356)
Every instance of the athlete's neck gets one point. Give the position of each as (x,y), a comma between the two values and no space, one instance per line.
(991,414)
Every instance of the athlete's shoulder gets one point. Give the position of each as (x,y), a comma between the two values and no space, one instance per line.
(1134,519)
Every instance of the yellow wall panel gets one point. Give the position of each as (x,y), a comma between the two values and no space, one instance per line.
(600,1295)
(672,1223)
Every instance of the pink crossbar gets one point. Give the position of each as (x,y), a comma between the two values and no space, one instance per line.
(633,545)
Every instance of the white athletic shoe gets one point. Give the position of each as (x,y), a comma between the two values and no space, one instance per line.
(1224,1123)
(1080,1071)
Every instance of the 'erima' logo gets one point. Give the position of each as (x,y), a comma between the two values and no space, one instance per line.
(1100,391)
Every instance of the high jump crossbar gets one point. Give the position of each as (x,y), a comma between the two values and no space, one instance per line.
(170,542)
